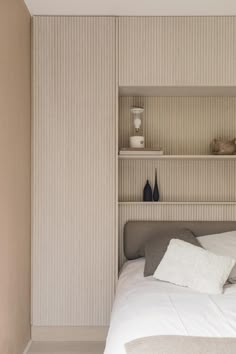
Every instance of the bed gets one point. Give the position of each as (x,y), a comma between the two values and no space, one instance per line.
(145,307)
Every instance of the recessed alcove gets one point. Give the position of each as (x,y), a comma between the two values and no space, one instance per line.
(183,126)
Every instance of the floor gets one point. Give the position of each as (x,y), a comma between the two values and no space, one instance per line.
(66,348)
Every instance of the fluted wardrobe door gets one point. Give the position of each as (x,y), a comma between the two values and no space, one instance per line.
(74,170)
(177,51)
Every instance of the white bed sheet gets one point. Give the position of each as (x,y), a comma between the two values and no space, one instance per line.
(146,307)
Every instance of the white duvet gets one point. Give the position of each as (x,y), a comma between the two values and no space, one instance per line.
(146,307)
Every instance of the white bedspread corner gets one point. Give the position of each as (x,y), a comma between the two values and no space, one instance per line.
(146,307)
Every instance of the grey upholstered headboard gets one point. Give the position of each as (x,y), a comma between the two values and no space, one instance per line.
(136,233)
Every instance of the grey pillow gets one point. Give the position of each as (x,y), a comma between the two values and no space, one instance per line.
(156,247)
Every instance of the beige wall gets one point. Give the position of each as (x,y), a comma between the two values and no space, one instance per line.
(14,176)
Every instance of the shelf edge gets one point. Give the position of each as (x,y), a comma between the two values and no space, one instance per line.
(175,203)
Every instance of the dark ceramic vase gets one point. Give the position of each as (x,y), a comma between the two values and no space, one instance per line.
(156,195)
(147,192)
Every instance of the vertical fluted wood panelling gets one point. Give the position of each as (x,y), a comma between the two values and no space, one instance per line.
(74,170)
(182,51)
(187,212)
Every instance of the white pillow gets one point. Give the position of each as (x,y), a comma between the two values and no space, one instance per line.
(191,266)
(223,244)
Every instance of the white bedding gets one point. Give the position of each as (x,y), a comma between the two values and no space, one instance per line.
(146,307)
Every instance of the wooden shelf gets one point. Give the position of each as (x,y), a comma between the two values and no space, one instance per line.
(177,157)
(177,91)
(175,203)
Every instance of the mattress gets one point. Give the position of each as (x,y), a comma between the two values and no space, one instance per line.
(147,307)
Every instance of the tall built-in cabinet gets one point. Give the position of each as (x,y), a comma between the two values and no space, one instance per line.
(83,192)
(74,170)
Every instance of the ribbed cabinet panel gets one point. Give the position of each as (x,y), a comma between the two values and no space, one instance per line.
(179,51)
(74,170)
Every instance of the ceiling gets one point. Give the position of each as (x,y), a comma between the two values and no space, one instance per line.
(133,7)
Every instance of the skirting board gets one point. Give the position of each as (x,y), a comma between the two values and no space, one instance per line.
(27,347)
(85,333)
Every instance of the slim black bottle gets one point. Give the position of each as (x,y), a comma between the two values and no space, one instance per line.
(156,195)
(147,192)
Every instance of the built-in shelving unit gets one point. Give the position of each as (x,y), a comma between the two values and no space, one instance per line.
(184,127)
(187,103)
(193,183)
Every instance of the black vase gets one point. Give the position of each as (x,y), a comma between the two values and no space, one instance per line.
(156,195)
(147,192)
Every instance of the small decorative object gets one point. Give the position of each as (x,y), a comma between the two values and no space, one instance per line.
(137,141)
(223,147)
(156,195)
(147,192)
